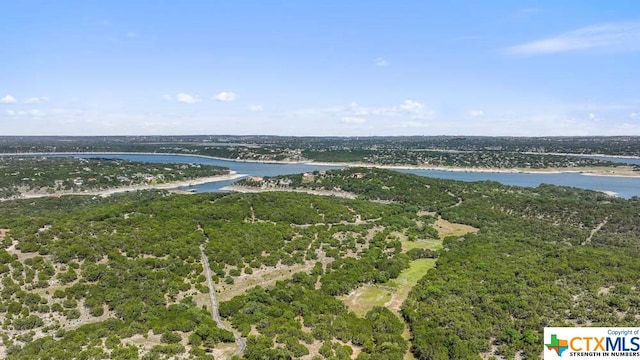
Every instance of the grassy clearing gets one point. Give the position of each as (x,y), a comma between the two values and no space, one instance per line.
(410,276)
(432,244)
(446,228)
(367,297)
(391,294)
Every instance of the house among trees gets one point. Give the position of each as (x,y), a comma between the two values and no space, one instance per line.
(285,182)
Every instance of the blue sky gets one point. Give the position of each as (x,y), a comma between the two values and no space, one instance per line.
(299,67)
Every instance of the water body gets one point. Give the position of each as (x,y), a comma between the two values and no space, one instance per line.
(625,187)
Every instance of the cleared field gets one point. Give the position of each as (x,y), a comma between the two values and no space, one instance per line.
(391,294)
(367,297)
(433,244)
(446,228)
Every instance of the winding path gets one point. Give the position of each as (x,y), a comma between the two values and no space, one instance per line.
(594,231)
(242,344)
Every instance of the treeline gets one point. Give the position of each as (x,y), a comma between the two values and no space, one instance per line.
(465,159)
(457,151)
(36,174)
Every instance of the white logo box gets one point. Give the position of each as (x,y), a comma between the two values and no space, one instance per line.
(591,342)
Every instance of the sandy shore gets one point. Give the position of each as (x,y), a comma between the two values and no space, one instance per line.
(166,186)
(619,171)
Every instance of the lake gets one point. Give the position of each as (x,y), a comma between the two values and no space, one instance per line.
(625,187)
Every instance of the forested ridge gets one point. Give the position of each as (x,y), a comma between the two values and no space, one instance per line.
(21,175)
(121,277)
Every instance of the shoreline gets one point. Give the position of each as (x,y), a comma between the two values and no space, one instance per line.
(248,189)
(166,186)
(581,171)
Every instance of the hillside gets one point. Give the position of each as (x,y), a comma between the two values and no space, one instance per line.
(123,277)
(29,176)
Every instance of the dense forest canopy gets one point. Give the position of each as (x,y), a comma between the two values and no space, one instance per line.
(122,277)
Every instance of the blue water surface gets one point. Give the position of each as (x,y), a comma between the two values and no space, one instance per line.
(625,187)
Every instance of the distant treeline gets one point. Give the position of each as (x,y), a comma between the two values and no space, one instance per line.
(434,150)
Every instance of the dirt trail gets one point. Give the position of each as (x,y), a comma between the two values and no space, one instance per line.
(594,231)
(242,344)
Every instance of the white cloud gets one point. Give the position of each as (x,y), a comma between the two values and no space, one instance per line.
(8,99)
(255,108)
(382,62)
(634,115)
(187,99)
(29,112)
(476,113)
(411,105)
(167,97)
(36,100)
(623,36)
(225,96)
(353,120)
(408,108)
(593,116)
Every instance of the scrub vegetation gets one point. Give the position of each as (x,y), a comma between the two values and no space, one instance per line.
(471,270)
